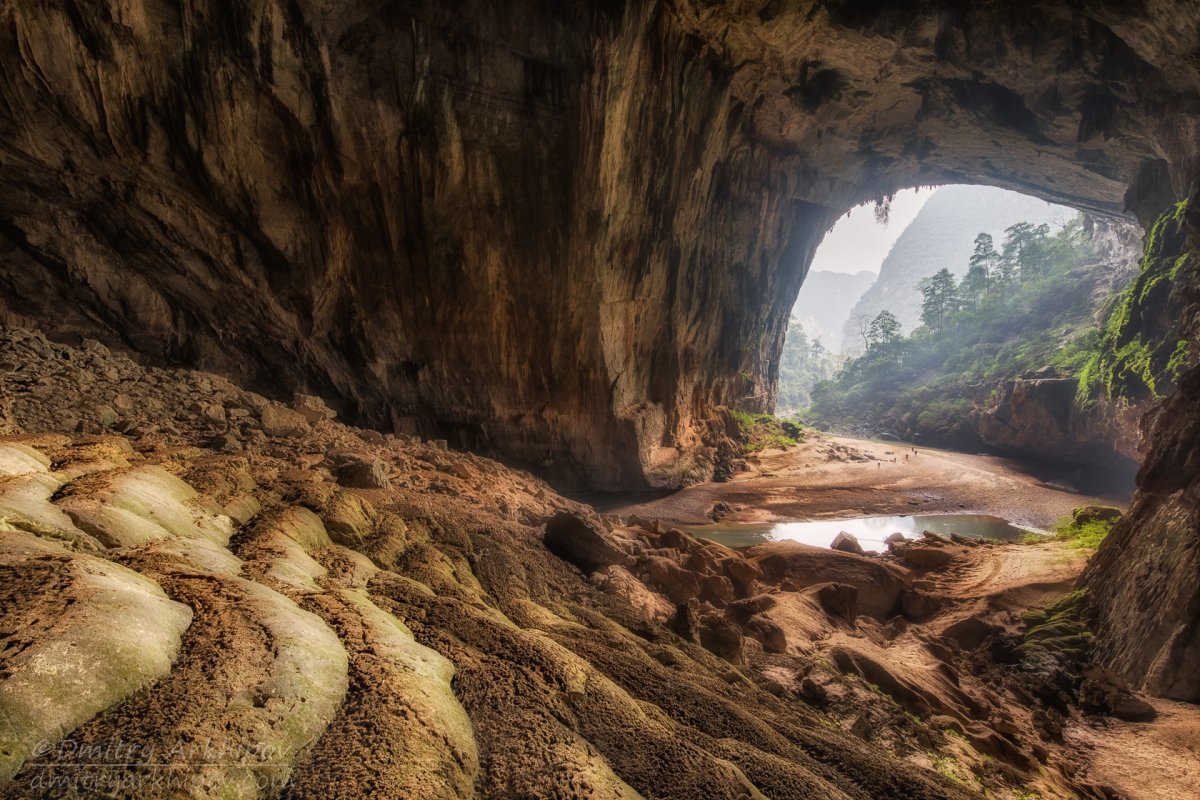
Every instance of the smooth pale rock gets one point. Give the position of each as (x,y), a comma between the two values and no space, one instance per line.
(19,459)
(25,504)
(118,634)
(349,518)
(132,507)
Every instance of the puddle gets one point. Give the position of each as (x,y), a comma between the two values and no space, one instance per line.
(870,531)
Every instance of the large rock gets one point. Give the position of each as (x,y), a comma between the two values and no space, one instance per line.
(282,421)
(1039,416)
(846,543)
(798,566)
(582,541)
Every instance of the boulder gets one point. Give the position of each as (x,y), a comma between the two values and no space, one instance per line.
(582,541)
(716,589)
(894,539)
(686,621)
(1086,514)
(312,408)
(719,510)
(678,584)
(923,555)
(282,422)
(363,474)
(721,637)
(743,573)
(846,543)
(768,634)
(745,609)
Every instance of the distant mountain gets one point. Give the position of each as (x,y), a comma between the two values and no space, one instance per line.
(942,235)
(825,301)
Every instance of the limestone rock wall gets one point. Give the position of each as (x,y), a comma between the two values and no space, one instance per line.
(560,233)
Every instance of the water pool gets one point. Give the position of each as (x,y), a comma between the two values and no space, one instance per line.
(870,531)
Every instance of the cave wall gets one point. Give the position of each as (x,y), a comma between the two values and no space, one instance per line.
(1144,582)
(561,233)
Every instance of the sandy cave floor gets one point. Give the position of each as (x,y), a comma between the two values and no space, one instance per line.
(829,476)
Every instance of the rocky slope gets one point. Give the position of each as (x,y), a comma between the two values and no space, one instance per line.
(561,234)
(208,594)
(1144,579)
(941,235)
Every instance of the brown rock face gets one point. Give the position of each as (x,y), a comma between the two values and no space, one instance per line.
(558,234)
(1039,416)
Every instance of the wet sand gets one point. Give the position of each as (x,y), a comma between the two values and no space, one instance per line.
(829,477)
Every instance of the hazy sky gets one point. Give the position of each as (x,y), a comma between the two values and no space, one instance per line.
(857,242)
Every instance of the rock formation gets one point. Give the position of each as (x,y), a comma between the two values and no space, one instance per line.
(265,631)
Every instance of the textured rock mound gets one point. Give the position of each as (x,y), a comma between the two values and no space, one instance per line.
(245,626)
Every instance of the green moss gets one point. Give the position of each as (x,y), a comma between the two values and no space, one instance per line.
(1085,536)
(760,431)
(1138,353)
(1061,629)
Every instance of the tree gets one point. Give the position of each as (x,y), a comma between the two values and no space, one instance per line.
(974,286)
(862,323)
(884,330)
(1016,238)
(940,294)
(1037,254)
(985,258)
(1027,251)
(818,350)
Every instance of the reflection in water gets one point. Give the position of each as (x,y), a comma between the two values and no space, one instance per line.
(870,531)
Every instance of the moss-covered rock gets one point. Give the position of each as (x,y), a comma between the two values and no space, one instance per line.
(1141,352)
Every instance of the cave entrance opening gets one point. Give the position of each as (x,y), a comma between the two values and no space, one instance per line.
(965,317)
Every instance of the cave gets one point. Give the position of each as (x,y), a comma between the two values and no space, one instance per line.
(567,236)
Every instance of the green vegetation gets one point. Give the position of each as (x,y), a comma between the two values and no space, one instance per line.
(1060,630)
(802,365)
(1085,535)
(1020,309)
(760,431)
(1137,354)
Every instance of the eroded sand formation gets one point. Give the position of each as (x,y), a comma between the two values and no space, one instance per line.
(317,610)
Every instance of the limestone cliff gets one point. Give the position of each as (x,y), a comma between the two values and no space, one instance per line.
(561,233)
